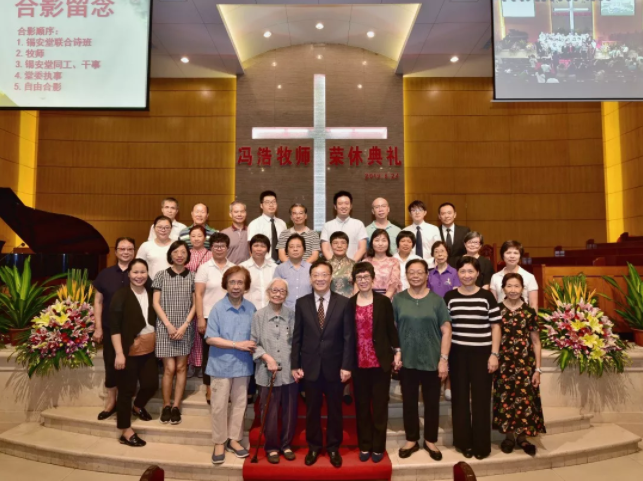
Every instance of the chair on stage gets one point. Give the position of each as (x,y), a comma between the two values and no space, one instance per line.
(154,473)
(463,472)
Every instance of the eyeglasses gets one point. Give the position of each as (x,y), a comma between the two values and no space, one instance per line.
(281,292)
(125,249)
(162,227)
(270,202)
(365,278)
(236,283)
(472,243)
(320,276)
(219,247)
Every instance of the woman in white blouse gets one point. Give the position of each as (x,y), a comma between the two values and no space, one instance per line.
(155,252)
(511,252)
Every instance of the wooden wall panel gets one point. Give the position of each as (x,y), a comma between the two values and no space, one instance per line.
(527,171)
(113,168)
(623,153)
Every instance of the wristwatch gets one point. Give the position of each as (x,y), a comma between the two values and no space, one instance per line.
(396,350)
(496,354)
(444,358)
(538,370)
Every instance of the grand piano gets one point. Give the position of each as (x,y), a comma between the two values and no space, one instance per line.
(57,242)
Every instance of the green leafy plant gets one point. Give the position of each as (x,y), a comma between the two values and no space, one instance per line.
(20,299)
(632,309)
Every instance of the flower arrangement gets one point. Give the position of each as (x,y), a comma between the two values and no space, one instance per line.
(61,335)
(579,330)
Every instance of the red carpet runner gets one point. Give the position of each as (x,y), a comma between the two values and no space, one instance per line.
(352,468)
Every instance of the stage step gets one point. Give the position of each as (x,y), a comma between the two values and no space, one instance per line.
(196,430)
(96,453)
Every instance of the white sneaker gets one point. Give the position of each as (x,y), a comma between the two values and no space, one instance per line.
(447,394)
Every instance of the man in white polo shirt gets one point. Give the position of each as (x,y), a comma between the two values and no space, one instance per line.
(169,208)
(268,224)
(353,228)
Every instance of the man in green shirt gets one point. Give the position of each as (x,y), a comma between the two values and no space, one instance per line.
(381,210)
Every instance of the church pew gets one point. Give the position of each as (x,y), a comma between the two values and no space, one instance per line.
(587,260)
(604,251)
(619,260)
(545,274)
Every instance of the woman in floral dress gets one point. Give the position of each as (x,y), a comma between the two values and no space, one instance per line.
(517,409)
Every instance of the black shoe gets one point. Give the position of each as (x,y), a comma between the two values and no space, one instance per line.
(142,414)
(507,446)
(467,453)
(105,414)
(288,454)
(166,414)
(348,399)
(364,456)
(335,458)
(134,441)
(175,416)
(527,447)
(405,453)
(480,457)
(311,457)
(435,455)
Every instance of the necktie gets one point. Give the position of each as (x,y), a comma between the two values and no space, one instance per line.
(449,240)
(273,241)
(418,243)
(320,313)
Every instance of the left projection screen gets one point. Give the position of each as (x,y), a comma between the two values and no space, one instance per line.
(85,54)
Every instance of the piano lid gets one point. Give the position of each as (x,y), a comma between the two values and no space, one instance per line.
(49,233)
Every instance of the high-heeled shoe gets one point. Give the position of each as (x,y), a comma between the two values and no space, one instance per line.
(435,455)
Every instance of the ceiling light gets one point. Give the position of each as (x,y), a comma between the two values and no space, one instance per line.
(359,86)
(364,62)
(454,59)
(274,64)
(319,57)
(370,34)
(185,59)
(279,86)
(319,26)
(267,34)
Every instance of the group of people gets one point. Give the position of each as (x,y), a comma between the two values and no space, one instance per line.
(288,308)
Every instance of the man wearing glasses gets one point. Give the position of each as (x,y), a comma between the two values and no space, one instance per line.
(425,234)
(267,223)
(106,284)
(323,356)
(200,214)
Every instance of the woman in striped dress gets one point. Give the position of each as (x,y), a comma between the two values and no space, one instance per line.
(174,306)
(475,320)
(199,255)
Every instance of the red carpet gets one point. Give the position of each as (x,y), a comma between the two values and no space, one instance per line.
(352,468)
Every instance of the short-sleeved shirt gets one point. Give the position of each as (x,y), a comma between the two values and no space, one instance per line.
(155,256)
(233,324)
(273,335)
(418,323)
(260,278)
(430,235)
(184,235)
(262,225)
(472,316)
(107,283)
(403,279)
(529,281)
(310,237)
(391,229)
(177,227)
(353,228)
(198,258)
(210,274)
(387,274)
(239,250)
(441,283)
(298,281)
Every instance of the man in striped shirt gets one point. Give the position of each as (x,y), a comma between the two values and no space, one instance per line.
(299,215)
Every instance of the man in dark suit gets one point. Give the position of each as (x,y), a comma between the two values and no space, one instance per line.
(451,234)
(323,356)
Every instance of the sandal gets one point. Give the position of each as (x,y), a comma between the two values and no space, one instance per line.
(527,447)
(507,446)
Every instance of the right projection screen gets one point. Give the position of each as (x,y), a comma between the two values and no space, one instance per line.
(568,50)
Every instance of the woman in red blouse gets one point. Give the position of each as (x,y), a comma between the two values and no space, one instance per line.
(198,255)
(378,351)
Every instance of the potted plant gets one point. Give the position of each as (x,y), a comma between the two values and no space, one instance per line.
(21,300)
(632,309)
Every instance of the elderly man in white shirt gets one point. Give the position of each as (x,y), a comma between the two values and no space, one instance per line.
(425,234)
(261,268)
(170,209)
(268,224)
(353,228)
